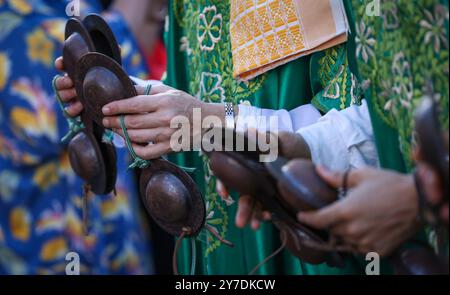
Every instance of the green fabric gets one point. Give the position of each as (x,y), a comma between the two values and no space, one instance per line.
(397,53)
(323,78)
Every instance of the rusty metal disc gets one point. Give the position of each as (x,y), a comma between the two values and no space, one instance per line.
(172,198)
(77,43)
(100,80)
(102,37)
(301,187)
(242,171)
(87,161)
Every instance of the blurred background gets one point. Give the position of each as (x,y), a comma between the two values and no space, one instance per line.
(40,197)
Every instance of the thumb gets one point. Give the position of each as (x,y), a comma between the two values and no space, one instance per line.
(334,179)
(324,218)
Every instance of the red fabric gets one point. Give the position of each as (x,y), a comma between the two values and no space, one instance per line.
(157,61)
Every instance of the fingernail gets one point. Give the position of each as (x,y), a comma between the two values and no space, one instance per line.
(106,110)
(106,122)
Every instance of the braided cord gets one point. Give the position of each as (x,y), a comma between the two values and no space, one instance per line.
(138,162)
(75,124)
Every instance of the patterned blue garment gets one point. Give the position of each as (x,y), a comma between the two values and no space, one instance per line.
(40,197)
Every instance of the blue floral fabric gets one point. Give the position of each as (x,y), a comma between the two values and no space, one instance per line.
(40,196)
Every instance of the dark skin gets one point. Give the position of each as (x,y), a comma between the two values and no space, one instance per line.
(378,215)
(250,212)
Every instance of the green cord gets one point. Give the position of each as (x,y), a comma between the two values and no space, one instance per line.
(75,125)
(137,161)
(108,136)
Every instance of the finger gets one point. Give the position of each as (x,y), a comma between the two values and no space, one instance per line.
(141,121)
(221,190)
(154,135)
(59,64)
(267,216)
(335,179)
(67,95)
(152,151)
(324,218)
(256,216)
(244,211)
(160,88)
(155,89)
(135,105)
(74,109)
(64,83)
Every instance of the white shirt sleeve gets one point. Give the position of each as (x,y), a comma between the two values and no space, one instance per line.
(264,119)
(343,140)
(339,140)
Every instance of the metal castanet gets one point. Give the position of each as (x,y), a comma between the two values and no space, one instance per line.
(101,80)
(77,43)
(102,37)
(242,172)
(91,158)
(168,193)
(172,198)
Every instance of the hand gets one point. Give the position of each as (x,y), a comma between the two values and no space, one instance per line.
(148,118)
(249,210)
(66,91)
(378,215)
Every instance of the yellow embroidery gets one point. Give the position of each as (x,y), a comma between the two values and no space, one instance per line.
(40,48)
(21,6)
(263,33)
(55,29)
(5,70)
(19,220)
(39,121)
(54,249)
(46,176)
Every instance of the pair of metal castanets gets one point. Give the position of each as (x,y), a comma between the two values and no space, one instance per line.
(286,187)
(92,59)
(301,189)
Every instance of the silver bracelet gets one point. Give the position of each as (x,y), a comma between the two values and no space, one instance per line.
(229,116)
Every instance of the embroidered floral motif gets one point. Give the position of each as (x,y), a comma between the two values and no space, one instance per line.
(206,42)
(211,89)
(397,81)
(364,41)
(337,85)
(435,26)
(403,85)
(209,28)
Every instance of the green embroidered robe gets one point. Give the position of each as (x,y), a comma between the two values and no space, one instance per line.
(398,51)
(200,63)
